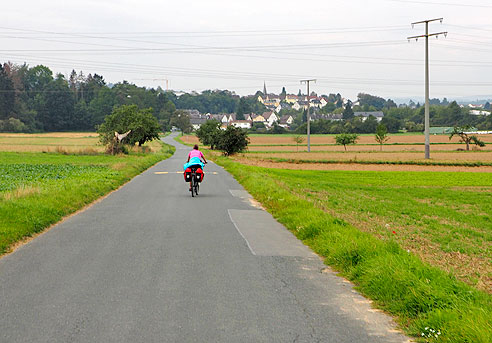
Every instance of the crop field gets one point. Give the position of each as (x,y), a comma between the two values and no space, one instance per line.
(37,189)
(58,142)
(401,148)
(274,140)
(378,227)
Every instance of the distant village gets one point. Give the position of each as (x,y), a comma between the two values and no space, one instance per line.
(275,104)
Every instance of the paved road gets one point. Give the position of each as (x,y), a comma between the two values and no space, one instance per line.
(151,264)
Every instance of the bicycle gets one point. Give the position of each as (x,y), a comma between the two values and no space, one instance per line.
(195,185)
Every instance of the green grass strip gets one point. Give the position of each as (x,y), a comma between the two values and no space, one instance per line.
(39,189)
(420,296)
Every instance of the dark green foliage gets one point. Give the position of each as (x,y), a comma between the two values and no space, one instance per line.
(208,101)
(348,113)
(55,106)
(277,129)
(392,124)
(144,127)
(7,95)
(209,133)
(233,140)
(249,104)
(346,139)
(181,120)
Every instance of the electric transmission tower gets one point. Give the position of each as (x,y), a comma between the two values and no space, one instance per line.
(426,36)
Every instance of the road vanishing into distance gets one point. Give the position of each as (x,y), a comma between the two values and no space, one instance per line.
(149,263)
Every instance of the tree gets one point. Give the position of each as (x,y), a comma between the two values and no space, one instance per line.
(465,136)
(348,113)
(209,132)
(392,124)
(143,125)
(233,140)
(298,139)
(346,139)
(12,125)
(277,129)
(487,106)
(381,135)
(55,106)
(181,120)
(7,94)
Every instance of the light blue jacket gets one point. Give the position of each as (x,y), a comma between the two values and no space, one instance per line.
(193,161)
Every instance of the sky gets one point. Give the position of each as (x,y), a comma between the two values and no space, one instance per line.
(349,46)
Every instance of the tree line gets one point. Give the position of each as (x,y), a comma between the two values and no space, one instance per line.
(33,99)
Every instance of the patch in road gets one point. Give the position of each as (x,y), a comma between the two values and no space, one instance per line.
(265,236)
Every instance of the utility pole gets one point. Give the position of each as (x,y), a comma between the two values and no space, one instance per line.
(427,116)
(308,114)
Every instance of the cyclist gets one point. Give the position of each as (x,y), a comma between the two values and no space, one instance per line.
(195,157)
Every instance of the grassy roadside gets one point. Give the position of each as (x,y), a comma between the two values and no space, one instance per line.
(421,296)
(39,189)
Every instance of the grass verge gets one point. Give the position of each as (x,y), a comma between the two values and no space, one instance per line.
(39,189)
(422,297)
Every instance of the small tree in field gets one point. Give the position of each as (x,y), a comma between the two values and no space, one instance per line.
(209,133)
(298,140)
(233,140)
(465,137)
(381,135)
(346,139)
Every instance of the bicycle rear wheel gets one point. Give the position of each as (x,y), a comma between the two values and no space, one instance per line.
(192,189)
(197,187)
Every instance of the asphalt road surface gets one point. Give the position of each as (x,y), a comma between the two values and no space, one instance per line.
(149,263)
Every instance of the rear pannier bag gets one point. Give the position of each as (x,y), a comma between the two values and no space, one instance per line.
(199,175)
(187,175)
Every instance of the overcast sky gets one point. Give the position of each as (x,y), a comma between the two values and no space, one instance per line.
(349,46)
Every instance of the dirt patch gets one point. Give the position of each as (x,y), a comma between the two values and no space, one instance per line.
(361,167)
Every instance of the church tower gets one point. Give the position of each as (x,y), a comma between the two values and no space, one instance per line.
(265,94)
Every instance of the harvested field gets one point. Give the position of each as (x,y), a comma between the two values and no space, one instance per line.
(452,157)
(57,142)
(376,148)
(275,140)
(366,139)
(357,167)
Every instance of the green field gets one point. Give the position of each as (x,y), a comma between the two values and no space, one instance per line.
(39,189)
(417,243)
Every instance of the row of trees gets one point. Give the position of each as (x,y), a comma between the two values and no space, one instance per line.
(33,99)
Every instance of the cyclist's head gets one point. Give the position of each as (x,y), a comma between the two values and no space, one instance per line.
(195,147)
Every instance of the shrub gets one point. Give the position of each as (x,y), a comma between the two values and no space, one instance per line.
(232,140)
